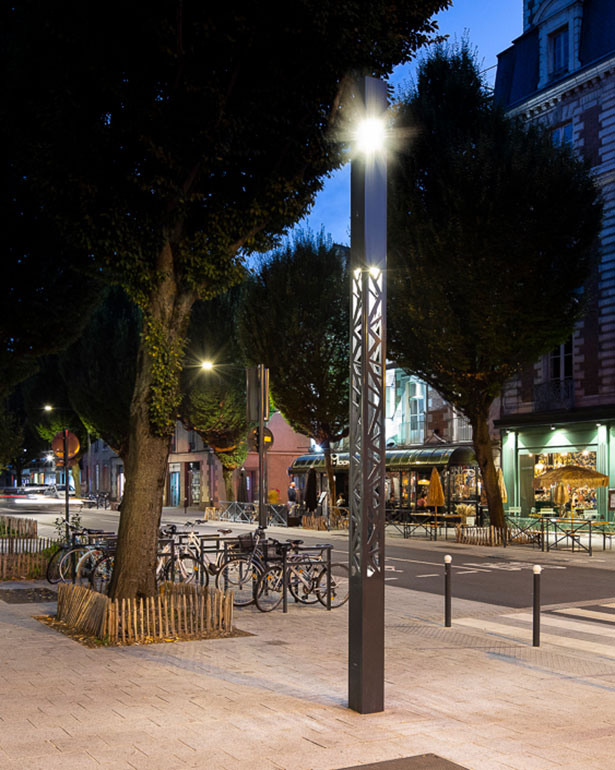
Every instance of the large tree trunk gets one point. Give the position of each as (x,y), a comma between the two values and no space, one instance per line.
(484,456)
(152,418)
(227,475)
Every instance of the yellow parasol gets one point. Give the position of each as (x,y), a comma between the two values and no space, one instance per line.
(435,493)
(502,486)
(574,476)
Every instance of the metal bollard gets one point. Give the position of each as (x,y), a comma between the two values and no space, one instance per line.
(447,590)
(536,627)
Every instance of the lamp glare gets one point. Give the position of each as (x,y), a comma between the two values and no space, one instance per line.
(370,135)
(207,365)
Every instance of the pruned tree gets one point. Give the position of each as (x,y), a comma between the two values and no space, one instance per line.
(214,400)
(167,145)
(491,238)
(294,318)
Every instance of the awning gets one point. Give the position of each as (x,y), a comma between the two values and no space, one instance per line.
(396,459)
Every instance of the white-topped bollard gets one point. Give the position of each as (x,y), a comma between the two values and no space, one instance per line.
(537,569)
(447,590)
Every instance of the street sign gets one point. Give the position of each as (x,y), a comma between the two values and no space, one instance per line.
(253,439)
(57,445)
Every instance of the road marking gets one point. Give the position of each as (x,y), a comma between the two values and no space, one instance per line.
(431,574)
(607,617)
(573,625)
(526,635)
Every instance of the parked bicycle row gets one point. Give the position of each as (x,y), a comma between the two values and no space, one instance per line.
(258,569)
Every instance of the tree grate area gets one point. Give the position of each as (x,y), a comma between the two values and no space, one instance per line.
(27,595)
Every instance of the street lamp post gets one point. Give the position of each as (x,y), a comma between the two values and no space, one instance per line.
(367,413)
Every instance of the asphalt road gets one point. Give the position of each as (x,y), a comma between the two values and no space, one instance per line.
(493,576)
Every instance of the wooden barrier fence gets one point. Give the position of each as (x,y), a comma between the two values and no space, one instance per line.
(314,522)
(185,611)
(481,535)
(25,558)
(493,536)
(12,526)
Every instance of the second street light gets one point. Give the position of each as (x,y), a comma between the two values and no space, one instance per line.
(367,390)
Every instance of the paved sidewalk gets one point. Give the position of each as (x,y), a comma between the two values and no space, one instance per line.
(477,694)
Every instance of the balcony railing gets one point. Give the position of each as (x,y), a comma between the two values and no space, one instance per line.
(555,394)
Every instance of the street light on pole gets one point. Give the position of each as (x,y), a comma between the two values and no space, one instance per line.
(69,448)
(367,400)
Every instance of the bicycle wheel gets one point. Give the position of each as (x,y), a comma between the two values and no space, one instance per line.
(53,565)
(269,590)
(67,567)
(339,585)
(86,564)
(186,569)
(240,575)
(303,580)
(101,574)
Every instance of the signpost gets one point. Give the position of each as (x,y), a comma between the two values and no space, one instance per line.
(65,446)
(257,385)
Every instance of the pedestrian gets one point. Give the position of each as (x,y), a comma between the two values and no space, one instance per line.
(292,493)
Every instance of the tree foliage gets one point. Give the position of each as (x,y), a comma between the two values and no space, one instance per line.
(165,145)
(98,370)
(214,401)
(491,237)
(294,318)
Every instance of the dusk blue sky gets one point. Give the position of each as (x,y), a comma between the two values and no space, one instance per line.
(491,26)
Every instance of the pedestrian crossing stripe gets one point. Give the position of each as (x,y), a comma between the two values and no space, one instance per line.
(579,612)
(525,634)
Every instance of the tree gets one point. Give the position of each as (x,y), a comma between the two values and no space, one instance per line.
(214,401)
(294,318)
(98,370)
(491,237)
(167,145)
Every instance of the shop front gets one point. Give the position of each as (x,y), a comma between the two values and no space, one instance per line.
(407,474)
(530,451)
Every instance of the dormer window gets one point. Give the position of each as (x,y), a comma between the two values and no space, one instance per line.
(558,52)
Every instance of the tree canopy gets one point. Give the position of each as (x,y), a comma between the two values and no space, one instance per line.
(165,145)
(214,401)
(492,234)
(294,318)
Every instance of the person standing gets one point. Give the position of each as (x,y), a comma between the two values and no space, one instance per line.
(292,493)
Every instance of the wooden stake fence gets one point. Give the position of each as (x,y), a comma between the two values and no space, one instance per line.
(12,526)
(314,522)
(184,611)
(24,558)
(492,536)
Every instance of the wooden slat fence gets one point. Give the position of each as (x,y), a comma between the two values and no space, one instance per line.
(493,536)
(314,522)
(185,611)
(13,526)
(25,558)
(481,535)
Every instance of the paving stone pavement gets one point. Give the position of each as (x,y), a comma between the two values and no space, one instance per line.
(477,694)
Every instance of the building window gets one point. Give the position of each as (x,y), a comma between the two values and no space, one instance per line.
(558,52)
(560,362)
(562,134)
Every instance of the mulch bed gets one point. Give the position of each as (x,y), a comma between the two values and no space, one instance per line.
(27,595)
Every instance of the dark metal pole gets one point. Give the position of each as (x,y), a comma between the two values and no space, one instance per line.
(263,413)
(66,497)
(447,590)
(367,429)
(536,626)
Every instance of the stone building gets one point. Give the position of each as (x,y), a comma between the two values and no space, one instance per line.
(561,72)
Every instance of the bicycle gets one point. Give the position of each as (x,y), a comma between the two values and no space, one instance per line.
(240,571)
(308,580)
(69,562)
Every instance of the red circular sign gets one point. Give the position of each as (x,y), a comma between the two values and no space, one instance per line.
(72,443)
